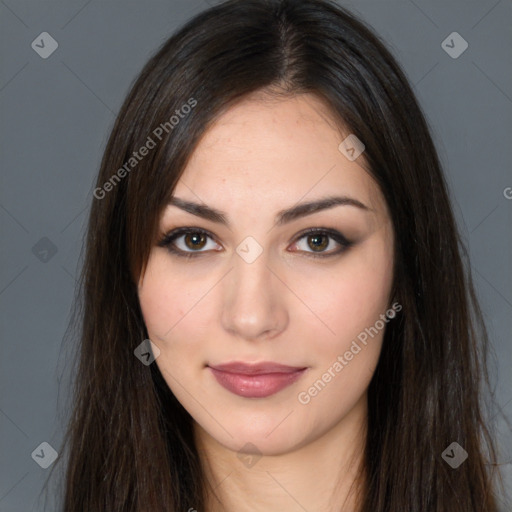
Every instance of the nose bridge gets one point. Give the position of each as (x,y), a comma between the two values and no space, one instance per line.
(252,304)
(252,277)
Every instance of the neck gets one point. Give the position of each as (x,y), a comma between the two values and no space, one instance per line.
(318,475)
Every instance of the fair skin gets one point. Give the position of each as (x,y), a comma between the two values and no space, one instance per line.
(286,306)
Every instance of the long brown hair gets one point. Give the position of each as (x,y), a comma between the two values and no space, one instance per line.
(129,444)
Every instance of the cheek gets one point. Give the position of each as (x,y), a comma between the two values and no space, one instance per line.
(357,299)
(169,307)
(351,296)
(167,298)
(160,308)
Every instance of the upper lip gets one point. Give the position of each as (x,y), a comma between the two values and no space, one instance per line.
(255,369)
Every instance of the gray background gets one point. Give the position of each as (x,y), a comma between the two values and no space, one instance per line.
(56,114)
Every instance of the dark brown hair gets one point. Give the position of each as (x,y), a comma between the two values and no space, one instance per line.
(129,442)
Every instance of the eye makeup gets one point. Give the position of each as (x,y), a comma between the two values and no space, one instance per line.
(197,238)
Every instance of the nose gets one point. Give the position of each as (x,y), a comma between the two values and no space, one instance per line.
(254,306)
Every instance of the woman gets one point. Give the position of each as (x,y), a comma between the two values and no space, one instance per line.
(276,315)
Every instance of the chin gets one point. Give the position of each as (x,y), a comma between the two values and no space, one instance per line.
(260,435)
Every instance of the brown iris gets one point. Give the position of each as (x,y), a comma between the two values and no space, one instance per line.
(318,242)
(195,240)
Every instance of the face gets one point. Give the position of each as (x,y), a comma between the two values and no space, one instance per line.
(269,314)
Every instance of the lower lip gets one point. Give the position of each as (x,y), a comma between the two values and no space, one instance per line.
(256,386)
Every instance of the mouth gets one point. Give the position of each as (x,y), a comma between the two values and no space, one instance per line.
(255,380)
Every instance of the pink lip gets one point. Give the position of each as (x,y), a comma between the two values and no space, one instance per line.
(255,380)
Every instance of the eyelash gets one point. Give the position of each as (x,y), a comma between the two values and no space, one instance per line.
(169,238)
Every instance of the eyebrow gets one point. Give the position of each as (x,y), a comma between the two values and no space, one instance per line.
(282,217)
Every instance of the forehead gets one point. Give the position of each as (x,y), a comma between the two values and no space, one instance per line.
(275,150)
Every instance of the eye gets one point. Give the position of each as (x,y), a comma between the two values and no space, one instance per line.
(317,241)
(187,242)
